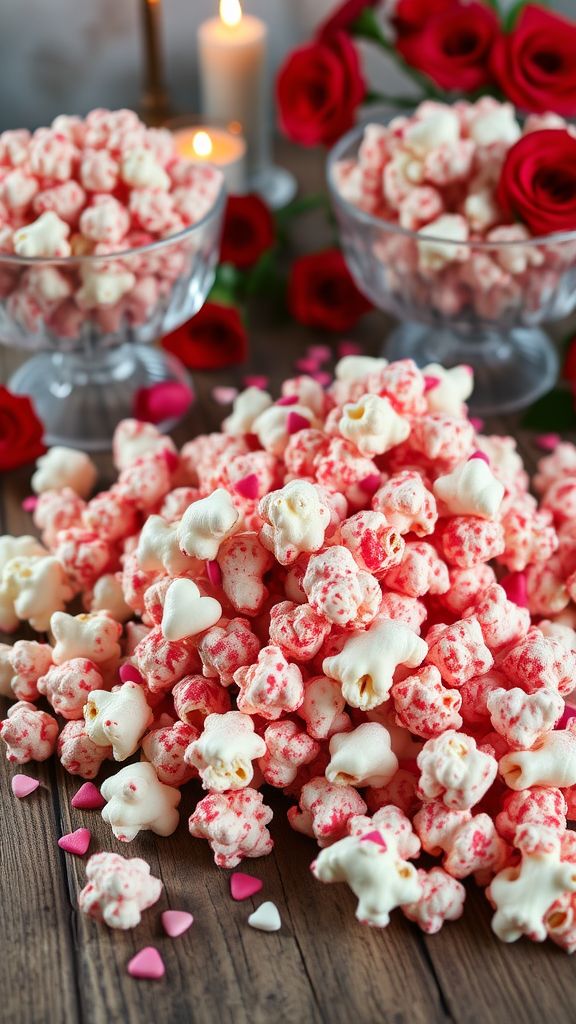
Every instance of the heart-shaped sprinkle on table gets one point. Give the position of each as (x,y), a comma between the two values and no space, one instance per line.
(266,918)
(176,922)
(147,964)
(76,842)
(23,785)
(242,886)
(88,798)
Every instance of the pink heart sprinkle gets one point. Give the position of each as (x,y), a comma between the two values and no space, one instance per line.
(224,395)
(373,837)
(214,573)
(514,583)
(29,503)
(567,715)
(171,458)
(349,348)
(296,422)
(548,442)
(23,785)
(256,381)
(248,487)
(242,886)
(370,484)
(76,842)
(147,964)
(430,383)
(322,377)
(88,798)
(288,400)
(176,922)
(321,353)
(166,400)
(307,364)
(129,674)
(477,422)
(480,455)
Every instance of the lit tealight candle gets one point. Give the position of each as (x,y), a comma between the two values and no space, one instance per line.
(224,149)
(232,57)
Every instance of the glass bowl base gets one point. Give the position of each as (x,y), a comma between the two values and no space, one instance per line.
(81,400)
(511,369)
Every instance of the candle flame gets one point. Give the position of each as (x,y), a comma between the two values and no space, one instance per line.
(230,12)
(202,144)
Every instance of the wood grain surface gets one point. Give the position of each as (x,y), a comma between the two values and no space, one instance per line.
(59,967)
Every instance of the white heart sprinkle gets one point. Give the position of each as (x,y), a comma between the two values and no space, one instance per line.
(266,918)
(186,612)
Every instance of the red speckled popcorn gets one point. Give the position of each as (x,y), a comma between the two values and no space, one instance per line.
(424,705)
(324,810)
(29,734)
(78,754)
(234,825)
(271,686)
(459,651)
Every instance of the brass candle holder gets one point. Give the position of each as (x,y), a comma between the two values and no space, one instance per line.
(155,104)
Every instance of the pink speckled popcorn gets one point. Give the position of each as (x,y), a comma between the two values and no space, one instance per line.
(323,708)
(146,481)
(407,504)
(244,562)
(67,686)
(165,748)
(467,540)
(28,661)
(421,571)
(57,511)
(234,825)
(85,636)
(297,629)
(466,585)
(453,769)
(442,438)
(539,662)
(337,589)
(424,705)
(163,662)
(475,693)
(85,555)
(29,734)
(375,546)
(324,810)
(502,621)
(529,536)
(77,752)
(196,697)
(442,899)
(459,651)
(271,686)
(524,718)
(118,890)
(110,516)
(224,649)
(542,805)
(288,747)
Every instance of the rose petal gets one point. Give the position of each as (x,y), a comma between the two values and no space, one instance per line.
(224,395)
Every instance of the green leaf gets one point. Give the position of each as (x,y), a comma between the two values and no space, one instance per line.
(367,26)
(554,411)
(511,17)
(263,276)
(401,102)
(228,277)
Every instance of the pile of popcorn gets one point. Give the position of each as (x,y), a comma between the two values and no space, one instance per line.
(436,173)
(96,186)
(349,595)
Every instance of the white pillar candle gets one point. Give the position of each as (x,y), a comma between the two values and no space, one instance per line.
(223,149)
(232,59)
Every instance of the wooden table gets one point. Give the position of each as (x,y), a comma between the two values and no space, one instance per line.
(59,967)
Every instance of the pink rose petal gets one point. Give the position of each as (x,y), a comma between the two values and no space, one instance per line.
(515,585)
(296,422)
(129,674)
(29,503)
(23,785)
(321,353)
(480,455)
(478,423)
(147,964)
(76,842)
(256,381)
(373,837)
(176,922)
(248,487)
(349,348)
(242,886)
(307,365)
(224,395)
(548,442)
(288,400)
(214,573)
(322,377)
(88,798)
(370,484)
(430,383)
(169,399)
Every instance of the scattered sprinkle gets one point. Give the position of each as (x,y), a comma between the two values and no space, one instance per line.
(76,842)
(349,348)
(247,487)
(288,400)
(567,715)
(130,674)
(224,395)
(176,922)
(307,365)
(266,918)
(256,381)
(88,798)
(321,353)
(296,422)
(242,886)
(214,573)
(370,484)
(166,400)
(515,585)
(373,837)
(548,442)
(430,383)
(323,377)
(23,785)
(480,455)
(478,423)
(29,503)
(147,964)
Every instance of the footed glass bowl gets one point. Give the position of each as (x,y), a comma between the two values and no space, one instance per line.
(479,303)
(90,321)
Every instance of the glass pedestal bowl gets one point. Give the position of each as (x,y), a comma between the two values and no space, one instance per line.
(89,322)
(477,303)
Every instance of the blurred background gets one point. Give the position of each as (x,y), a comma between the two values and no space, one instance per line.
(70,55)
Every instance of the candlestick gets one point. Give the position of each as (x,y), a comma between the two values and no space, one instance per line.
(232,59)
(224,149)
(155,105)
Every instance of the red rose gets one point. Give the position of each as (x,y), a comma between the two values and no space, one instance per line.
(453,46)
(214,338)
(321,292)
(344,16)
(410,15)
(319,87)
(535,65)
(248,231)
(538,181)
(21,431)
